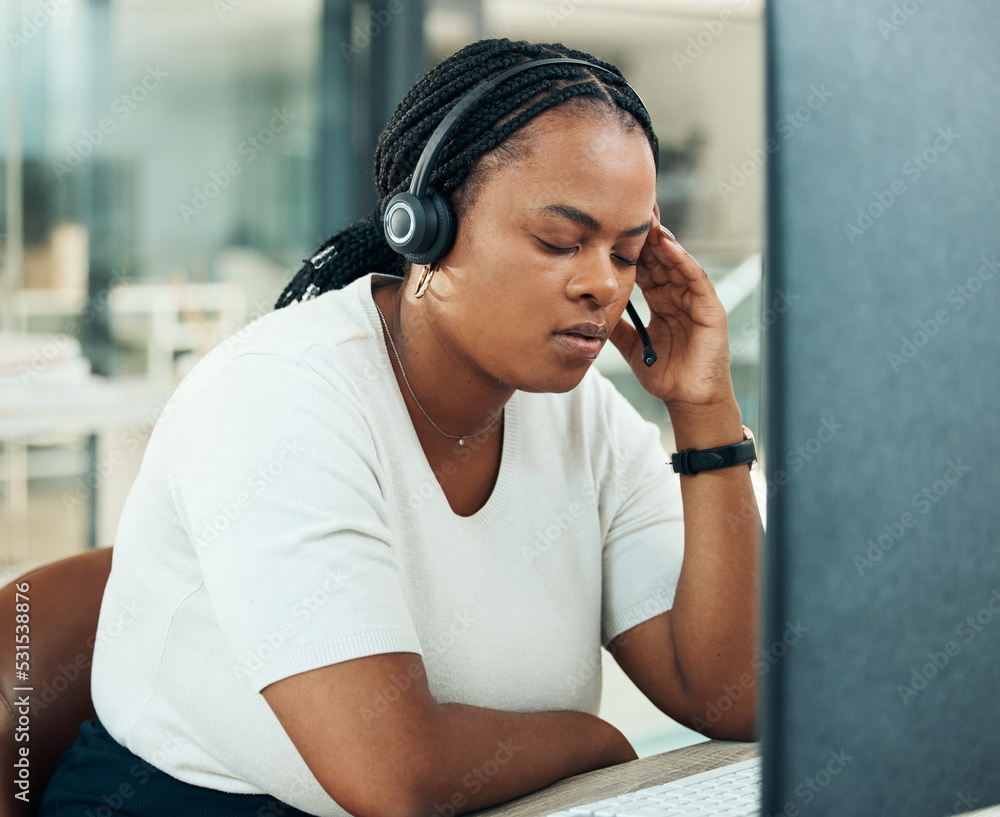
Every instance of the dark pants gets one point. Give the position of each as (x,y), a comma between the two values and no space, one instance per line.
(98,777)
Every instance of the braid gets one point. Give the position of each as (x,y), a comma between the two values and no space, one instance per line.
(494,123)
(347,254)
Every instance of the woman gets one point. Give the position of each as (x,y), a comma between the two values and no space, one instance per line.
(378,541)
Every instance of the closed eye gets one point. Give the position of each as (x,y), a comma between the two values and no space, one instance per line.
(628,262)
(553,248)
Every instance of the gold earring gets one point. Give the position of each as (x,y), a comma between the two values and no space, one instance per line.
(425,280)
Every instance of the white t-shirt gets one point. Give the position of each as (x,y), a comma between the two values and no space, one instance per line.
(286,518)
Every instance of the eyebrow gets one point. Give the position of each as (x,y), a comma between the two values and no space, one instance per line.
(589,221)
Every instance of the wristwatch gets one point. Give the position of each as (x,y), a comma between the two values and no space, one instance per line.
(691,461)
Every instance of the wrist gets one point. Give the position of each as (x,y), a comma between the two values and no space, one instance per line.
(706,426)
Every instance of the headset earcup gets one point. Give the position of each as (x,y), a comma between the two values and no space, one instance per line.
(445,234)
(410,223)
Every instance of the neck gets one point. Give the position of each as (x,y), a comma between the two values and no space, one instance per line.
(458,395)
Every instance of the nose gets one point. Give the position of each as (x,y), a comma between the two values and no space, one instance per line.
(595,277)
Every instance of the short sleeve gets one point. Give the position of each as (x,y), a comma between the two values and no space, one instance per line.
(276,481)
(644,545)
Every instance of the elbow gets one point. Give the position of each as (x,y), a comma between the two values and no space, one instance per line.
(414,801)
(725,716)
(738,723)
(388,795)
(391,802)
(742,729)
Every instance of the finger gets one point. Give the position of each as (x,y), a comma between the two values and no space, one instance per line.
(654,235)
(667,262)
(652,239)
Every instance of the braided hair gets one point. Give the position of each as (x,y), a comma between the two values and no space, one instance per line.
(494,123)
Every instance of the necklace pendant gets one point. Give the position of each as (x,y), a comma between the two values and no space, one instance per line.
(461,441)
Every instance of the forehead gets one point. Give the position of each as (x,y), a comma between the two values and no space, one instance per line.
(573,124)
(574,150)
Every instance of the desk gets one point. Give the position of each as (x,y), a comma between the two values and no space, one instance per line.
(639,774)
(90,407)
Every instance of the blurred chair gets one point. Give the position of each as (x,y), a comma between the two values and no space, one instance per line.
(64,600)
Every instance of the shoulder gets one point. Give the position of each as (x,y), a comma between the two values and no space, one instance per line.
(324,344)
(304,329)
(308,371)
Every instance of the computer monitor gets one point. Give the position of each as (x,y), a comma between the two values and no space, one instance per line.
(881,620)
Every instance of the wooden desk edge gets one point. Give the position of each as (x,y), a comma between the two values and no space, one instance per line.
(615,780)
(639,774)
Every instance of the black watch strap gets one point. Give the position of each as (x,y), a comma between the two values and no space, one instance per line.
(691,461)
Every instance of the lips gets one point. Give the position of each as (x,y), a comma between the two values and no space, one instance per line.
(587,330)
(583,340)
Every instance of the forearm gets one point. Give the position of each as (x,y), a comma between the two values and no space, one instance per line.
(715,613)
(480,757)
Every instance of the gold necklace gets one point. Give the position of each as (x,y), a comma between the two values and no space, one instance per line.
(459,437)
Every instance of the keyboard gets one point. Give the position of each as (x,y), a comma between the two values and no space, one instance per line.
(729,791)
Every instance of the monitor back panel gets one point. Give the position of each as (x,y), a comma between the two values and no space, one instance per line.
(880,664)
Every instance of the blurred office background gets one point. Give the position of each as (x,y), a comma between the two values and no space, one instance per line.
(166,164)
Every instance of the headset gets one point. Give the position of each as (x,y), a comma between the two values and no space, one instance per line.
(420,225)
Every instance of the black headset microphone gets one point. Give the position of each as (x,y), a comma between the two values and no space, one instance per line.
(420,225)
